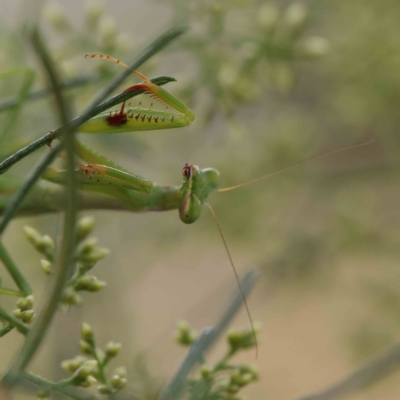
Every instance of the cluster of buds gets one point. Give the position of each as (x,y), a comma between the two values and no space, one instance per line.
(185,335)
(24,310)
(87,371)
(87,254)
(244,339)
(234,377)
(241,377)
(43,244)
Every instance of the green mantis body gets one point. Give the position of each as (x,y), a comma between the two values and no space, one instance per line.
(103,176)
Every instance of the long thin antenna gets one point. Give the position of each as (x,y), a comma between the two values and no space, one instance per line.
(296,164)
(236,276)
(117,61)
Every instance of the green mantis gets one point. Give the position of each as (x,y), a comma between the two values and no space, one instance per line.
(105,177)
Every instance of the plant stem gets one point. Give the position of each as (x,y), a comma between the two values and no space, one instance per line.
(14,321)
(8,328)
(46,384)
(75,82)
(15,273)
(35,338)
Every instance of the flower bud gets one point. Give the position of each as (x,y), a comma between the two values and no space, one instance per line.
(85,347)
(94,256)
(313,47)
(27,316)
(34,238)
(46,266)
(121,371)
(17,313)
(118,382)
(84,227)
(89,283)
(103,389)
(185,335)
(25,303)
(89,381)
(205,372)
(87,246)
(112,349)
(295,18)
(243,339)
(48,243)
(74,364)
(71,297)
(87,332)
(87,368)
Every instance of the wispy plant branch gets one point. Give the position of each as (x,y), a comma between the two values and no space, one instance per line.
(73,83)
(65,262)
(369,373)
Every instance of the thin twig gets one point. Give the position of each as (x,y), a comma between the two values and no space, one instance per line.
(372,371)
(36,335)
(15,273)
(207,338)
(46,384)
(75,82)
(14,321)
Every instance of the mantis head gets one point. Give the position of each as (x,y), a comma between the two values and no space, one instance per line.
(196,186)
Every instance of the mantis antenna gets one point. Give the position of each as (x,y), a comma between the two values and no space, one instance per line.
(236,276)
(117,61)
(353,146)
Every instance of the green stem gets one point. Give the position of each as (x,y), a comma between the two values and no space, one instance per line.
(14,321)
(46,384)
(75,82)
(35,338)
(11,292)
(222,363)
(8,328)
(15,273)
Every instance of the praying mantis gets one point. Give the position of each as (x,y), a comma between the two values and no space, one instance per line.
(105,177)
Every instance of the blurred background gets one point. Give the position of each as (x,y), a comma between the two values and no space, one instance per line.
(271,83)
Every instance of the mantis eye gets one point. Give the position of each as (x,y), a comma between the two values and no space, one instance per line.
(187,171)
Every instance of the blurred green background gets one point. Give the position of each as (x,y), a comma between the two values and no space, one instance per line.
(271,83)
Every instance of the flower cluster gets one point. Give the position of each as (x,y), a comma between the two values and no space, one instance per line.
(89,369)
(223,380)
(87,254)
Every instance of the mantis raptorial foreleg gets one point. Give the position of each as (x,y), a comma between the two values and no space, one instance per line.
(130,119)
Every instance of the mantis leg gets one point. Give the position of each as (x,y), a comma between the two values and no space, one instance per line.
(100,171)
